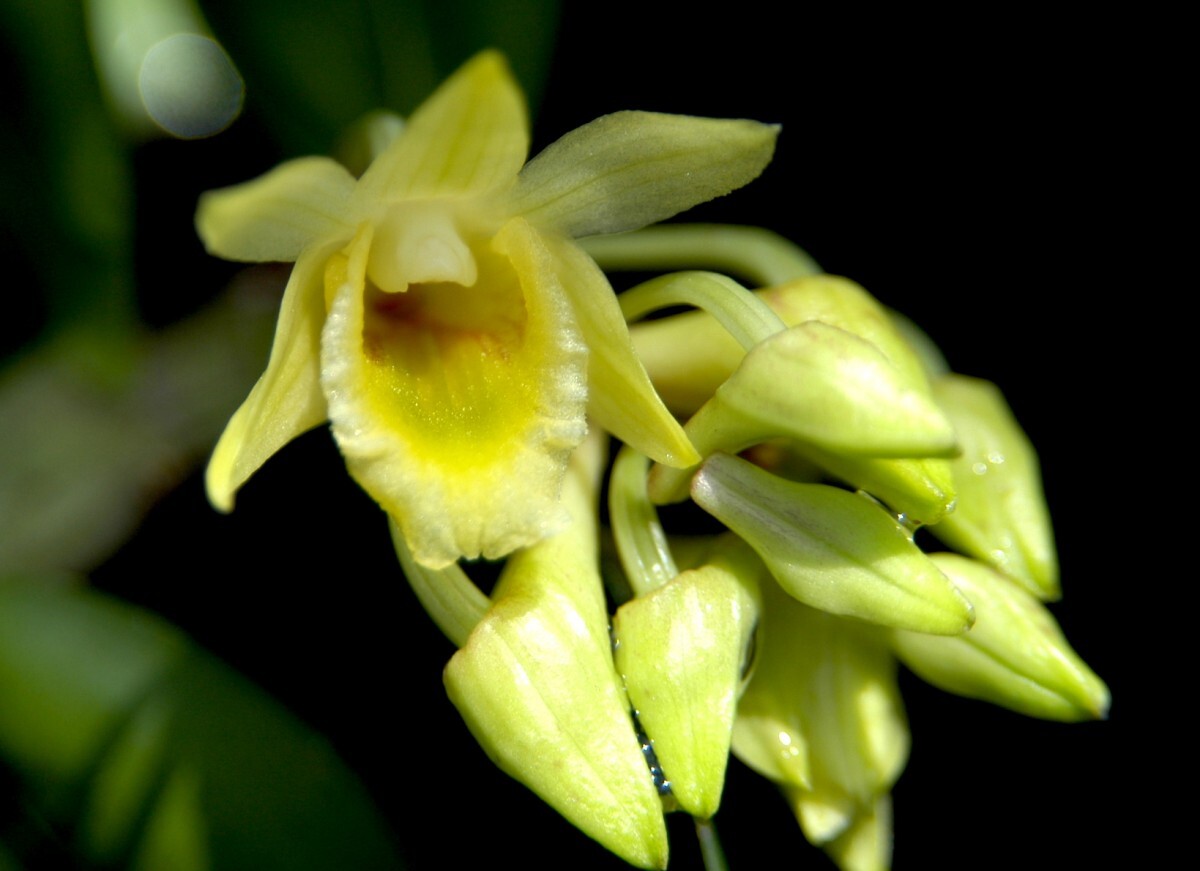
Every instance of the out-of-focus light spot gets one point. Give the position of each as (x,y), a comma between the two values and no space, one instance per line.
(189,86)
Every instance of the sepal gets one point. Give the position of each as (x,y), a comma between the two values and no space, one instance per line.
(278,215)
(630,169)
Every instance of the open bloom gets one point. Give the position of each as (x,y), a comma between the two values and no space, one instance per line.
(441,317)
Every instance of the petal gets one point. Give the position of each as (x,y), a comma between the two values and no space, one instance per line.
(471,136)
(457,408)
(287,399)
(277,214)
(621,397)
(629,169)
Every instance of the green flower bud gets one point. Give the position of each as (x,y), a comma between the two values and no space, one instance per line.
(689,355)
(920,489)
(682,652)
(841,303)
(768,734)
(536,686)
(866,844)
(832,549)
(1015,655)
(842,395)
(1001,517)
(831,683)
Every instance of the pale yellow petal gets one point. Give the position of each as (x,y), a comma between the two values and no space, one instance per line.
(621,398)
(287,399)
(629,169)
(455,407)
(470,137)
(275,216)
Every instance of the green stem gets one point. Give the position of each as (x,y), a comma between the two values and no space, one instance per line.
(448,595)
(710,846)
(746,317)
(641,542)
(761,256)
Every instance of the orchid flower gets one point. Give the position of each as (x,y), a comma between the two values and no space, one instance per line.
(444,321)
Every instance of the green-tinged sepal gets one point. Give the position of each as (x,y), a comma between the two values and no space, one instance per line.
(1015,656)
(832,549)
(278,215)
(536,686)
(1001,517)
(630,169)
(682,651)
(831,683)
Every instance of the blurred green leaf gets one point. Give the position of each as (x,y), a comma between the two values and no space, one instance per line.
(142,751)
(65,174)
(84,456)
(313,67)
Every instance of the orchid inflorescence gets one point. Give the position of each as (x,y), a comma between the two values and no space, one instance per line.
(448,315)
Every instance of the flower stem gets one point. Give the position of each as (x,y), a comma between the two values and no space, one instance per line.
(710,846)
(448,595)
(761,256)
(641,542)
(746,317)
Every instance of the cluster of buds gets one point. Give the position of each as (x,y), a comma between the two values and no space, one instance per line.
(478,372)
(830,432)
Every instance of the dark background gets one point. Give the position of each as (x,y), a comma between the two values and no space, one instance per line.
(964,170)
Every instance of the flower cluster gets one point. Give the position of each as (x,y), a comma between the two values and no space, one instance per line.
(473,362)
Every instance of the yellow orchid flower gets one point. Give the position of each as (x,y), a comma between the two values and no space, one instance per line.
(444,321)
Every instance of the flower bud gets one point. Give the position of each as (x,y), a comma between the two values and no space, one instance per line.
(1014,656)
(689,355)
(819,385)
(536,686)
(1001,517)
(866,844)
(920,489)
(831,683)
(832,549)
(682,651)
